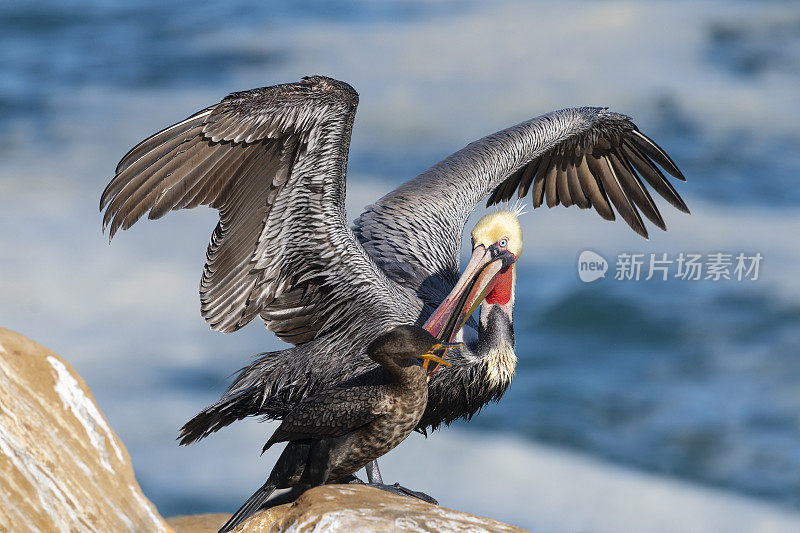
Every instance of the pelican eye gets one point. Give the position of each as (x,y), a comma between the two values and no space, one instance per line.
(502,243)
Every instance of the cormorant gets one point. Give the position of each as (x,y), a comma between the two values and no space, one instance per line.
(335,433)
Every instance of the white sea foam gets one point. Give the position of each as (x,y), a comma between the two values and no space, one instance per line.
(543,489)
(524,57)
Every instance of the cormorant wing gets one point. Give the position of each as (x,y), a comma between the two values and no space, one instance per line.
(273,162)
(588,156)
(330,414)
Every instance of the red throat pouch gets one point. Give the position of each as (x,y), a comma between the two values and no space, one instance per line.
(503,285)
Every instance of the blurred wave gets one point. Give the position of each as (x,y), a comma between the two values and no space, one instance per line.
(692,386)
(691,380)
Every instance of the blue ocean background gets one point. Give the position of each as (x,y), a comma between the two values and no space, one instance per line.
(693,382)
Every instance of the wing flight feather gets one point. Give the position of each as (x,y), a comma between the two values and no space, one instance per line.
(272,161)
(588,156)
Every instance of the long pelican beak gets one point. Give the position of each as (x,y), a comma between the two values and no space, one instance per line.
(475,283)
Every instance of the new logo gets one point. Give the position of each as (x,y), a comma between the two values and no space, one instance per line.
(591,266)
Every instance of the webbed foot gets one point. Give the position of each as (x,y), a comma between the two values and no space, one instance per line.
(348,480)
(397,488)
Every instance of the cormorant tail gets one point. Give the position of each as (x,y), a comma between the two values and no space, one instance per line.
(250,507)
(290,464)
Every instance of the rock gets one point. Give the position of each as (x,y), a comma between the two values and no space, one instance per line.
(211,522)
(62,468)
(199,523)
(356,508)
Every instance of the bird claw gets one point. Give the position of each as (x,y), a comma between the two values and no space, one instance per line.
(347,480)
(397,488)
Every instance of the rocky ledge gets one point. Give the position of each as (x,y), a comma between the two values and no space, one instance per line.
(62,468)
(350,508)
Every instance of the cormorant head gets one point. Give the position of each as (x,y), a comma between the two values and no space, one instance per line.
(404,346)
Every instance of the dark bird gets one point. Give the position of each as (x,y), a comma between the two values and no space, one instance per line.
(273,162)
(335,433)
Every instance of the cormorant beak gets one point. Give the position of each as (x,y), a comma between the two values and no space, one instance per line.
(430,355)
(475,283)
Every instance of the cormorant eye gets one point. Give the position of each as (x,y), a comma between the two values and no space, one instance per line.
(502,243)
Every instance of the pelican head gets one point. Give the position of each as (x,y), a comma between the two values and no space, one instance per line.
(489,275)
(500,229)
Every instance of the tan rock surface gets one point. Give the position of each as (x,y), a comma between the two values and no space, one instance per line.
(357,508)
(211,522)
(62,468)
(199,523)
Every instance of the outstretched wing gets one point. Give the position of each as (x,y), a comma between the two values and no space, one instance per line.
(329,414)
(589,157)
(273,162)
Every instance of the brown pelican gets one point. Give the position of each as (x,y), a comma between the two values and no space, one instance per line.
(273,162)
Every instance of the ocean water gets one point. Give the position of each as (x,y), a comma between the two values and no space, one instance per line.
(694,382)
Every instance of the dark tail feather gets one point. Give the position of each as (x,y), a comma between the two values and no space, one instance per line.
(228,409)
(290,464)
(250,394)
(250,507)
